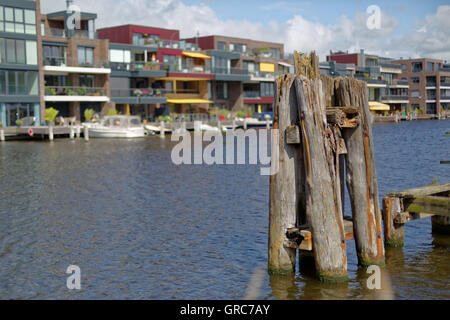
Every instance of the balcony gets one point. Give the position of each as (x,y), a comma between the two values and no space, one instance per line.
(444,69)
(70,65)
(192,69)
(395,98)
(138,95)
(75,94)
(431,84)
(231,74)
(75,34)
(252,94)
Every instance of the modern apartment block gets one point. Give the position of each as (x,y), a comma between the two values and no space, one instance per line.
(244,70)
(75,66)
(19,63)
(160,72)
(429,83)
(383,77)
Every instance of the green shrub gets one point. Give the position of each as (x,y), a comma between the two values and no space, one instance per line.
(88,114)
(243,112)
(165,118)
(51,114)
(19,122)
(112,112)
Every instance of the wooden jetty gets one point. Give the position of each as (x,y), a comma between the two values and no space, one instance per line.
(42,132)
(322,128)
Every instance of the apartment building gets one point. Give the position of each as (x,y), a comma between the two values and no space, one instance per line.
(19,63)
(244,70)
(429,81)
(388,91)
(157,71)
(75,67)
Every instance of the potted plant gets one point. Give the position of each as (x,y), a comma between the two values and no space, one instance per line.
(19,122)
(112,112)
(82,91)
(70,92)
(50,115)
(88,114)
(50,91)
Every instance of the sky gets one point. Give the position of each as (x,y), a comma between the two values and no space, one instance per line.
(406,29)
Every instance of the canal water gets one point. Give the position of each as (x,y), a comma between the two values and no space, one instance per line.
(140,227)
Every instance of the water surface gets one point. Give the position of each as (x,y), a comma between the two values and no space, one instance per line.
(140,227)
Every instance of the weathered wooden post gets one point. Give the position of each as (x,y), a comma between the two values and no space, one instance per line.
(71,132)
(286,180)
(361,174)
(86,133)
(323,207)
(2,135)
(78,131)
(162,129)
(394,233)
(50,133)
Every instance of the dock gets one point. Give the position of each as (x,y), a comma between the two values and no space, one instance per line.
(43,132)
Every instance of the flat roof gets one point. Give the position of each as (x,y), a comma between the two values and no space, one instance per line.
(63,14)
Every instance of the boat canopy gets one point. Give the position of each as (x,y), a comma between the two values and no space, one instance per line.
(122,121)
(378,106)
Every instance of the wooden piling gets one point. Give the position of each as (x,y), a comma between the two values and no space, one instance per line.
(162,129)
(86,133)
(323,206)
(286,181)
(78,132)
(50,133)
(394,233)
(361,174)
(71,132)
(2,135)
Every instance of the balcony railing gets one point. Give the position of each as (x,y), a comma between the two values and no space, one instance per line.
(76,34)
(137,66)
(444,69)
(138,92)
(259,74)
(229,71)
(66,62)
(445,97)
(252,94)
(391,66)
(445,83)
(394,97)
(74,91)
(187,69)
(183,91)
(431,84)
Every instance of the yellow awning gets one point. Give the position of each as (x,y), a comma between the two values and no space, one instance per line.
(266,67)
(187,101)
(378,106)
(196,55)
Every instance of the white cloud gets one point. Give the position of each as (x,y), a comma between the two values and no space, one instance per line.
(297,33)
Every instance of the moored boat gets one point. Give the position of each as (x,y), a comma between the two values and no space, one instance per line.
(117,126)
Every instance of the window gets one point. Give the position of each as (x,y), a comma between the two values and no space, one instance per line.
(221,46)
(86,56)
(415,93)
(237,47)
(267,89)
(87,81)
(17,20)
(54,55)
(221,90)
(275,53)
(415,80)
(18,51)
(19,82)
(403,66)
(430,66)
(417,67)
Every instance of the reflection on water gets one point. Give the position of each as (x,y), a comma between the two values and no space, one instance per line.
(140,227)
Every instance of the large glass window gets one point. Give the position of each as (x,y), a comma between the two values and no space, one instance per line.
(17,20)
(86,56)
(221,90)
(19,82)
(18,51)
(86,81)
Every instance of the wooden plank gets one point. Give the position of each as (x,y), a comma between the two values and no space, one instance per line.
(404,217)
(422,191)
(306,242)
(429,204)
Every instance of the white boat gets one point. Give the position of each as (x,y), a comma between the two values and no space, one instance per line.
(118,126)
